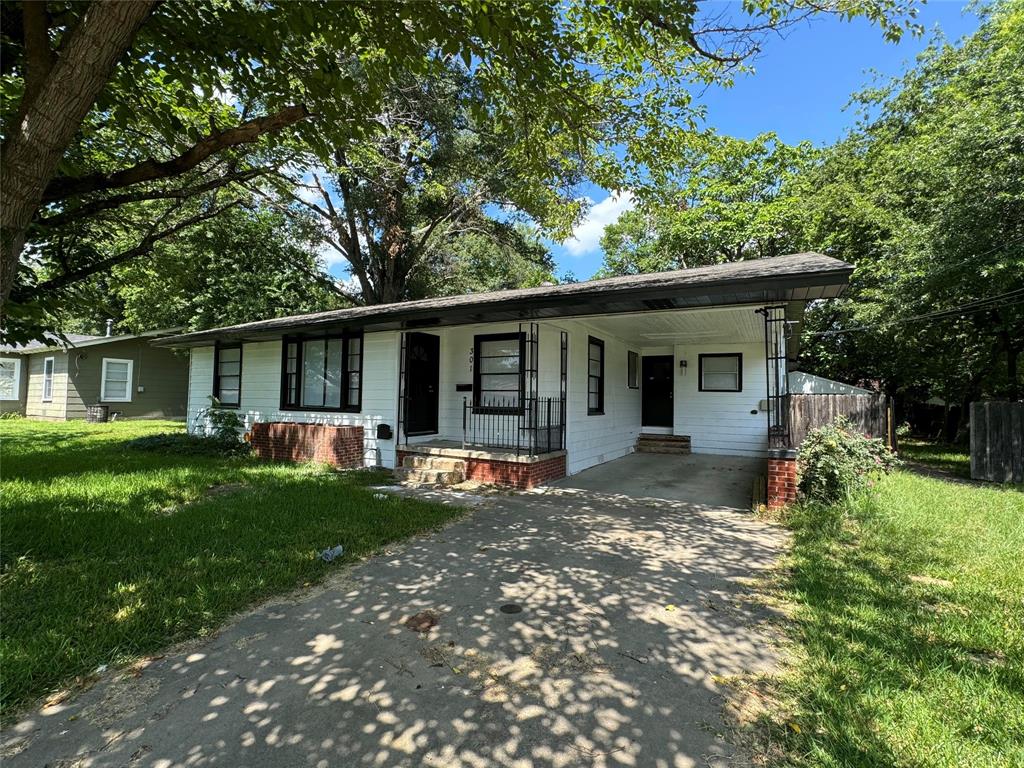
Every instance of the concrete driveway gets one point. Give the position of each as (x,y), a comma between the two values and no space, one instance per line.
(583,625)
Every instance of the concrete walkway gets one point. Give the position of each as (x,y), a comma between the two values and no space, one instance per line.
(584,625)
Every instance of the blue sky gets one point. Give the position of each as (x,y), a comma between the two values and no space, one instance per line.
(798,90)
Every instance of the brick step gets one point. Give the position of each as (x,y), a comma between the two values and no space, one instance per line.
(419,461)
(674,451)
(665,438)
(427,476)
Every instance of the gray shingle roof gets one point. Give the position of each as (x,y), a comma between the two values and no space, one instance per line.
(75,340)
(796,277)
(55,342)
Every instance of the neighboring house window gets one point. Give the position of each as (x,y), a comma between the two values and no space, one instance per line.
(116,381)
(720,372)
(48,380)
(498,376)
(595,376)
(10,379)
(227,374)
(633,370)
(323,374)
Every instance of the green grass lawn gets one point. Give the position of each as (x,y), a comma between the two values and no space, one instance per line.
(939,456)
(909,627)
(108,553)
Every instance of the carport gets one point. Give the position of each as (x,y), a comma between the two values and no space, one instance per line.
(702,480)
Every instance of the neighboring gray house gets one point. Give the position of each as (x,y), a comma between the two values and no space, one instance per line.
(58,380)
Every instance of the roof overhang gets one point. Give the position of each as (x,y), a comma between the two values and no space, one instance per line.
(797,278)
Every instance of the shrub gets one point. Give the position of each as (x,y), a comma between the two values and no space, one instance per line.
(220,423)
(836,461)
(216,433)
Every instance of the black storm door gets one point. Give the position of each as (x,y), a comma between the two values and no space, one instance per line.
(422,371)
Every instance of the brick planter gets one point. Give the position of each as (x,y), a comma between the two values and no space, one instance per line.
(782,478)
(516,474)
(523,473)
(280,441)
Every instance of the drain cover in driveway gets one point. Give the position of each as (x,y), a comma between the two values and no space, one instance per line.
(511,608)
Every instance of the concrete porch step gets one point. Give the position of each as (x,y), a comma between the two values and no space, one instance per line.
(418,461)
(672,444)
(427,476)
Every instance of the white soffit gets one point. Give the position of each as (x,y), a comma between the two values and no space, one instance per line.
(735,325)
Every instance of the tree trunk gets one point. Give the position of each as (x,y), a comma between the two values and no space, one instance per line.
(30,154)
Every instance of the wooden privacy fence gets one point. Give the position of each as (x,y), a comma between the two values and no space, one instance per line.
(997,442)
(869,414)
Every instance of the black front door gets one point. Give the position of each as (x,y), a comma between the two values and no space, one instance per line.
(422,370)
(656,395)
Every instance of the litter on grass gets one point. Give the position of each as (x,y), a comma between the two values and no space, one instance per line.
(332,554)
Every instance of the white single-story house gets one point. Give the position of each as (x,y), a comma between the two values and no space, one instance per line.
(808,384)
(522,386)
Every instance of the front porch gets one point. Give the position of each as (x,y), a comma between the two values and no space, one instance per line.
(495,401)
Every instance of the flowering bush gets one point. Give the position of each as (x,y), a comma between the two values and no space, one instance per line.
(837,461)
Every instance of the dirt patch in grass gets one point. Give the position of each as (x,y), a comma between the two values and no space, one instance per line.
(214,491)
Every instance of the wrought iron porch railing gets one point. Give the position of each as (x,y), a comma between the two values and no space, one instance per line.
(529,427)
(777,330)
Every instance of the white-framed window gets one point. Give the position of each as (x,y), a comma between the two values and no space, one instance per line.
(116,382)
(10,378)
(48,380)
(721,372)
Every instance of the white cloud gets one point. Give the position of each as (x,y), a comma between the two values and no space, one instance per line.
(329,257)
(586,238)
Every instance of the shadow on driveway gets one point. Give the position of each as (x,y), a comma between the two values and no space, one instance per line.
(574,627)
